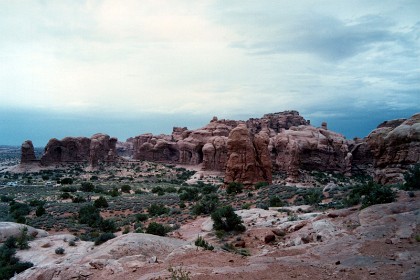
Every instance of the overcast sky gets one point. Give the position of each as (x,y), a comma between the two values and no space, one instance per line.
(134,66)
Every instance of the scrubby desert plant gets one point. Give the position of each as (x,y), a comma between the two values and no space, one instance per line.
(234,188)
(226,219)
(101,202)
(59,251)
(200,242)
(156,229)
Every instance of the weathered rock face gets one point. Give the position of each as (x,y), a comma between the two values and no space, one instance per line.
(69,149)
(155,148)
(310,148)
(395,146)
(8,229)
(248,159)
(100,147)
(27,152)
(276,122)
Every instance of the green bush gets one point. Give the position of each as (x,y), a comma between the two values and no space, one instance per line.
(59,251)
(114,192)
(188,193)
(313,196)
(65,195)
(40,210)
(89,215)
(87,187)
(412,179)
(156,229)
(141,217)
(125,189)
(206,205)
(78,199)
(157,210)
(68,189)
(18,211)
(226,219)
(275,201)
(260,185)
(66,181)
(104,237)
(101,202)
(9,263)
(200,242)
(107,225)
(370,194)
(234,188)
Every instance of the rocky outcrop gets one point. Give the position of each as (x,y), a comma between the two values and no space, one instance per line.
(248,158)
(155,148)
(69,149)
(27,152)
(8,229)
(100,147)
(276,122)
(310,148)
(395,146)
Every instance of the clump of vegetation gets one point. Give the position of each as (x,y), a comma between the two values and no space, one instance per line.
(226,219)
(68,189)
(125,188)
(104,237)
(87,187)
(18,211)
(412,179)
(200,242)
(260,185)
(59,251)
(141,217)
(156,229)
(157,210)
(66,181)
(275,201)
(9,263)
(370,194)
(206,205)
(101,202)
(234,188)
(313,196)
(179,273)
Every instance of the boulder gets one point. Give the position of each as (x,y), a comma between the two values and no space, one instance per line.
(69,149)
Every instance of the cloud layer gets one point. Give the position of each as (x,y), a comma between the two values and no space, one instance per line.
(203,58)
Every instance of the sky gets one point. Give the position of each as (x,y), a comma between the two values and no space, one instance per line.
(75,68)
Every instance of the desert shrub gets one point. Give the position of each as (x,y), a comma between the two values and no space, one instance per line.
(9,263)
(126,230)
(313,196)
(158,190)
(5,198)
(40,210)
(23,239)
(78,199)
(412,178)
(65,195)
(107,225)
(275,201)
(260,185)
(234,188)
(141,217)
(101,202)
(36,202)
(89,215)
(156,229)
(104,237)
(370,194)
(188,193)
(208,189)
(72,243)
(125,189)
(226,219)
(206,205)
(157,210)
(179,273)
(18,211)
(87,187)
(246,206)
(68,189)
(114,192)
(200,242)
(98,189)
(59,251)
(66,181)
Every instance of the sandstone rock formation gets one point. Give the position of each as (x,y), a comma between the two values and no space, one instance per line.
(27,152)
(100,147)
(310,148)
(395,146)
(69,149)
(8,229)
(248,159)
